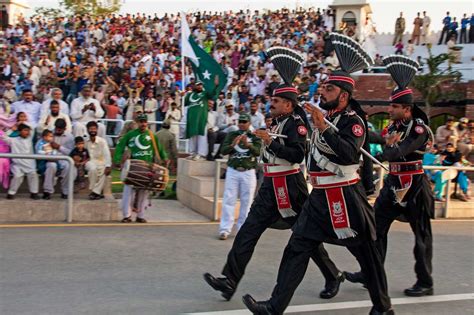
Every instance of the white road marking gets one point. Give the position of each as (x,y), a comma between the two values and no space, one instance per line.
(354,304)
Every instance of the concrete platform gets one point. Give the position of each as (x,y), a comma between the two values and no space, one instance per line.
(25,210)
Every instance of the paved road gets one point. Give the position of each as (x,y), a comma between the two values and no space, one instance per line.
(158,270)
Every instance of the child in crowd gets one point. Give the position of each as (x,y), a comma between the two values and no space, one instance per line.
(43,146)
(22,167)
(21,118)
(80,155)
(399,48)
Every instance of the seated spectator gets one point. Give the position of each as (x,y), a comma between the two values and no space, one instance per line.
(80,155)
(50,117)
(4,163)
(214,135)
(56,95)
(22,167)
(464,145)
(43,146)
(227,121)
(31,108)
(62,144)
(85,109)
(452,157)
(257,119)
(446,134)
(99,165)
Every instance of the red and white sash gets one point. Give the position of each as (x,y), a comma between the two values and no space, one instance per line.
(338,212)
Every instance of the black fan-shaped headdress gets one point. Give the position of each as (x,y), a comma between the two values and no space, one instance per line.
(286,61)
(351,57)
(403,70)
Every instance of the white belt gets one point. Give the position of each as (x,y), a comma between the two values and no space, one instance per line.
(324,163)
(269,168)
(331,179)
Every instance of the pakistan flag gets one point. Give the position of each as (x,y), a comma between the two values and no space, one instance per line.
(206,70)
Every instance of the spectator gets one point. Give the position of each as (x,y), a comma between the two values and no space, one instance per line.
(417,24)
(31,108)
(85,109)
(214,135)
(49,118)
(256,118)
(4,162)
(227,121)
(452,157)
(399,48)
(150,108)
(22,167)
(464,144)
(446,29)
(99,165)
(174,117)
(399,29)
(168,142)
(410,48)
(464,23)
(425,32)
(80,155)
(446,134)
(56,95)
(112,112)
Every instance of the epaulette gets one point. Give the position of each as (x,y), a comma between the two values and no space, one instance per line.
(350,113)
(420,121)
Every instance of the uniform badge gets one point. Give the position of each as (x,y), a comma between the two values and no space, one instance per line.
(419,130)
(302,131)
(357,130)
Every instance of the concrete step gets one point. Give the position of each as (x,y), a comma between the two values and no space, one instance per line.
(196,168)
(200,185)
(23,209)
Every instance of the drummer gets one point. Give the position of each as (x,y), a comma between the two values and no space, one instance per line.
(142,145)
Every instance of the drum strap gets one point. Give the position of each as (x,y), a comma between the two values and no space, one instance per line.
(155,147)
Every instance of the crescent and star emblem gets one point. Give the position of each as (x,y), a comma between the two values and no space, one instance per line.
(141,146)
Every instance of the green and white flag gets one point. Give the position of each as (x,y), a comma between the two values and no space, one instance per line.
(205,67)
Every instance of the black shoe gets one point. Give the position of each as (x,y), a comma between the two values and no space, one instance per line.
(63,196)
(356,277)
(34,196)
(10,197)
(332,287)
(218,156)
(418,290)
(141,220)
(390,311)
(258,308)
(94,196)
(209,158)
(46,196)
(220,284)
(127,220)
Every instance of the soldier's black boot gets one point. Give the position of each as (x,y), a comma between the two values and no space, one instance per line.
(356,277)
(257,308)
(418,290)
(332,287)
(221,284)
(373,311)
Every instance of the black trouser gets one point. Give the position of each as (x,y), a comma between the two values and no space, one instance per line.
(386,212)
(463,37)
(214,137)
(446,32)
(295,262)
(259,219)
(471,34)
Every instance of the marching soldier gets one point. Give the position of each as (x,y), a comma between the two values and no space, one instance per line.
(276,204)
(406,190)
(337,210)
(243,148)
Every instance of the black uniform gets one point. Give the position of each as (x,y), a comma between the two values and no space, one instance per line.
(315,226)
(417,206)
(264,210)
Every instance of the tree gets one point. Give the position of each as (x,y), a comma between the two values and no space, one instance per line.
(430,83)
(93,7)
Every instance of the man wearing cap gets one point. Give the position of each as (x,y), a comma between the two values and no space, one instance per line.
(196,118)
(337,210)
(243,148)
(139,143)
(464,144)
(280,197)
(406,191)
(446,134)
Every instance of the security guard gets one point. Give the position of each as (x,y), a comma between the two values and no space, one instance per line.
(280,198)
(406,190)
(243,148)
(337,210)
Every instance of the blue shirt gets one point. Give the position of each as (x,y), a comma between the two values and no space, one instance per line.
(454,26)
(447,21)
(465,22)
(312,89)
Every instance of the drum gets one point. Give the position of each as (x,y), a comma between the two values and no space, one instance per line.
(144,175)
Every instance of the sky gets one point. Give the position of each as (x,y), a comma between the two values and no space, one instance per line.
(384,11)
